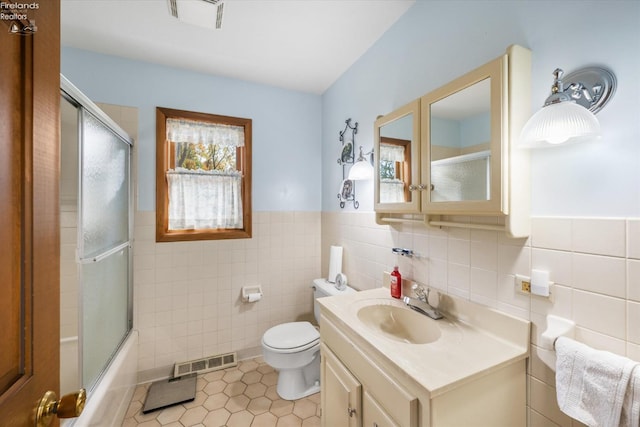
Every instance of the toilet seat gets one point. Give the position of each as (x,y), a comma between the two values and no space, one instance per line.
(291,337)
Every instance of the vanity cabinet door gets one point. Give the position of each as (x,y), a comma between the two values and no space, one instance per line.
(374,415)
(341,394)
(397,186)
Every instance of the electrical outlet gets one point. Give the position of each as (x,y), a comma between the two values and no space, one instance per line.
(523,284)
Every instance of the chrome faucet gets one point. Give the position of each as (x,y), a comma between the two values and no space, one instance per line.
(421,304)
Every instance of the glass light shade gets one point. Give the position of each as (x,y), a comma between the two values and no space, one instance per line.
(560,123)
(361,171)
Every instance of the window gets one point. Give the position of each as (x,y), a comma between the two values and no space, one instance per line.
(203,176)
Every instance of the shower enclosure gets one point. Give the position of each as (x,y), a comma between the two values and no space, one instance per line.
(96,231)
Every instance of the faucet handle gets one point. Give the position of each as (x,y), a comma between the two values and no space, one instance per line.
(420,292)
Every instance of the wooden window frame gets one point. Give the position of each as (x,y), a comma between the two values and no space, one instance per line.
(164,155)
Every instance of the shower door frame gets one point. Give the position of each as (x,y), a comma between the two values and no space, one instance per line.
(73,95)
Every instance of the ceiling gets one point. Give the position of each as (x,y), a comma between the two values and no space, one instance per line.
(295,44)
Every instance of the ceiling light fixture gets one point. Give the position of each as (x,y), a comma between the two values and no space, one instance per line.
(204,13)
(568,114)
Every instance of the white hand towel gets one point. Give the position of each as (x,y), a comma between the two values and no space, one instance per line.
(631,406)
(591,384)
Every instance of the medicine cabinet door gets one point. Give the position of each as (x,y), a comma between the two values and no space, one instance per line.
(463,132)
(397,184)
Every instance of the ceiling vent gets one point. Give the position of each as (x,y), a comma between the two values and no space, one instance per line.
(204,13)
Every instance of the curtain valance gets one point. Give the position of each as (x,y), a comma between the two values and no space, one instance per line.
(391,153)
(206,133)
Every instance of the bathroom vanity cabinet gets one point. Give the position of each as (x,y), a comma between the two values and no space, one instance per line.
(363,384)
(355,401)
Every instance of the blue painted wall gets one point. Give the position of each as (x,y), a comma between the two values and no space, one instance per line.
(468,132)
(286,124)
(437,41)
(296,134)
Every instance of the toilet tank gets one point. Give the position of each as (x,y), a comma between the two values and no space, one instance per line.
(322,288)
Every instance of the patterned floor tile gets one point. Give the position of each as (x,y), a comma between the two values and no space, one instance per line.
(241,396)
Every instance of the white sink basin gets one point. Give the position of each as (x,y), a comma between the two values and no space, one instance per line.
(470,341)
(399,323)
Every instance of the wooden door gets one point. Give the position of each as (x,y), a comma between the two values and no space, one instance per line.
(29,217)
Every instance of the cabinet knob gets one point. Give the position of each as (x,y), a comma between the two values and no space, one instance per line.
(351,412)
(419,187)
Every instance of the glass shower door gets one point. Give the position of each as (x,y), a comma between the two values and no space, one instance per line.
(104,246)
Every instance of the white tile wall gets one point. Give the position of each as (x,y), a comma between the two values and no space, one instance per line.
(633,279)
(601,274)
(594,262)
(186,295)
(599,236)
(187,301)
(68,271)
(633,238)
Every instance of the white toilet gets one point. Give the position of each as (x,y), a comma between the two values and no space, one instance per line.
(294,349)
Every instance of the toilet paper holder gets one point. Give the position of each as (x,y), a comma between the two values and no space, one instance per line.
(251,293)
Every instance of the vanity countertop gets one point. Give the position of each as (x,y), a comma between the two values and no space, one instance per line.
(476,340)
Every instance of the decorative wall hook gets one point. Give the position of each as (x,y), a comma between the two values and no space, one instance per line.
(348,143)
(347,157)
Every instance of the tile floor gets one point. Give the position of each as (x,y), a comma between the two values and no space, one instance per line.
(242,396)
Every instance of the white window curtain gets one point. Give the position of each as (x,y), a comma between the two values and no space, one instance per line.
(200,200)
(204,199)
(203,132)
(392,153)
(392,190)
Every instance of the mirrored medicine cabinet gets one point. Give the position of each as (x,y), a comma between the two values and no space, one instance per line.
(397,165)
(451,153)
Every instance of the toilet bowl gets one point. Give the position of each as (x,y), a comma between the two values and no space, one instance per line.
(293,349)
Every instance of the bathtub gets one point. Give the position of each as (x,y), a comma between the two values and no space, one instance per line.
(108,402)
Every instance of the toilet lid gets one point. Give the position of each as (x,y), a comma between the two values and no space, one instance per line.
(291,335)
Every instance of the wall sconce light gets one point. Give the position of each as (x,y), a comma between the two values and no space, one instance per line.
(568,114)
(362,169)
